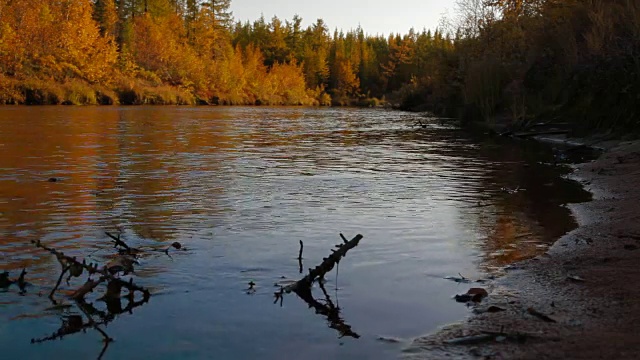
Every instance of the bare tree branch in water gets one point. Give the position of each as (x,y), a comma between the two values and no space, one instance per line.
(108,275)
(300,256)
(123,246)
(107,272)
(302,287)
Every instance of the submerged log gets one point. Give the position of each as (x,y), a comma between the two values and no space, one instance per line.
(302,287)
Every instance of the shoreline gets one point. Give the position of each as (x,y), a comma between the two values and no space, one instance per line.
(585,282)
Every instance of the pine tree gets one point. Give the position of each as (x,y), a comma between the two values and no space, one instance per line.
(223,17)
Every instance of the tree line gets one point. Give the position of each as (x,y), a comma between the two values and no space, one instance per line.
(133,52)
(191,51)
(515,59)
(524,60)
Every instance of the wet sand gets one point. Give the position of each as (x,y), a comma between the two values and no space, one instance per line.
(588,282)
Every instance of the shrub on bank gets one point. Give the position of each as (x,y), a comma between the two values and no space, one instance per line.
(48,92)
(105,96)
(9,92)
(39,92)
(166,95)
(79,93)
(141,93)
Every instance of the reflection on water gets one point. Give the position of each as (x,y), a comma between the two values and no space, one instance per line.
(75,323)
(240,187)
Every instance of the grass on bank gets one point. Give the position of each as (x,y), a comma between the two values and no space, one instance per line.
(149,92)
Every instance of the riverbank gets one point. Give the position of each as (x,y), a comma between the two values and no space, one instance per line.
(586,284)
(140,92)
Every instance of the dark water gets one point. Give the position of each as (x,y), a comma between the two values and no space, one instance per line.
(238,187)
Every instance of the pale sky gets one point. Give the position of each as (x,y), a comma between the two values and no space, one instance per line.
(375,16)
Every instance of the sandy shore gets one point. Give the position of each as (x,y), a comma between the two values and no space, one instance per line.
(588,283)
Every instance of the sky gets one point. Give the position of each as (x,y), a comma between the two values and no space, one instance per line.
(375,16)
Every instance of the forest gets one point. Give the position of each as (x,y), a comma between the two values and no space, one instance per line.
(492,60)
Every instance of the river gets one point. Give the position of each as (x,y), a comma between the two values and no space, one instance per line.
(238,187)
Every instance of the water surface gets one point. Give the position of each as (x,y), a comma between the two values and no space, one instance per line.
(238,187)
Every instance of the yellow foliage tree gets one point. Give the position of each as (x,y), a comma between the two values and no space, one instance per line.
(159,48)
(81,48)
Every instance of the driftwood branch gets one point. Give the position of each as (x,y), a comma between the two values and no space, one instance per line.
(107,276)
(301,248)
(300,257)
(71,264)
(65,268)
(124,248)
(117,241)
(302,287)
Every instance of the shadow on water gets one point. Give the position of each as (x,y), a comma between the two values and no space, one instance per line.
(239,186)
(95,319)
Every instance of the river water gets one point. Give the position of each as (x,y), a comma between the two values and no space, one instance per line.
(238,188)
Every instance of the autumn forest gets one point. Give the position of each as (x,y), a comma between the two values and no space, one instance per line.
(512,59)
